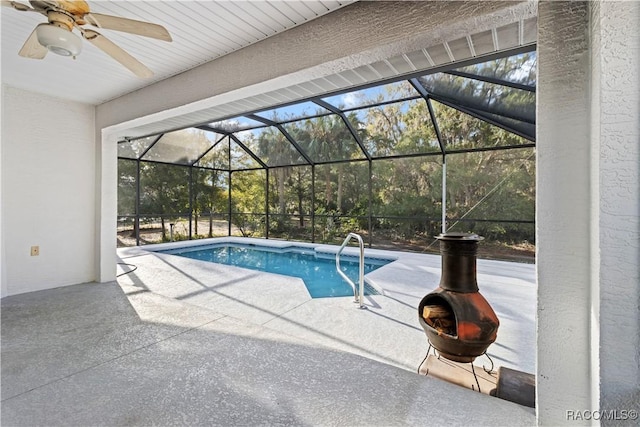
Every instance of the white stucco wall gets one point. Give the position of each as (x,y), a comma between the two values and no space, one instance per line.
(48,184)
(3,279)
(563,211)
(106,191)
(618,57)
(588,212)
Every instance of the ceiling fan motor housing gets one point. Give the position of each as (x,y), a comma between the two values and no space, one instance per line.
(59,40)
(57,36)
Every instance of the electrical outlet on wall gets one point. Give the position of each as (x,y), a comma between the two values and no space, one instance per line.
(35,250)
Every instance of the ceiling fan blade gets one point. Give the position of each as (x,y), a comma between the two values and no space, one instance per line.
(117,53)
(32,48)
(126,25)
(18,6)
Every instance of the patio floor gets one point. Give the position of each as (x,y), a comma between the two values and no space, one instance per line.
(179,341)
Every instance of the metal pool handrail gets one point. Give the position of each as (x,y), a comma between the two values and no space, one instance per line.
(358,296)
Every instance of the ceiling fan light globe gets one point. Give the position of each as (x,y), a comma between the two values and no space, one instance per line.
(60,51)
(58,40)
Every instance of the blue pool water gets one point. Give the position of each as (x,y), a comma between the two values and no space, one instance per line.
(317,270)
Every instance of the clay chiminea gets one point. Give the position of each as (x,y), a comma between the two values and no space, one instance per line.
(458,321)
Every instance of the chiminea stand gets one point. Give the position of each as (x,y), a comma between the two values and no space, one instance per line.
(464,374)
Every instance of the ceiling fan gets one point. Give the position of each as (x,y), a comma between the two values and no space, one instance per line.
(58,37)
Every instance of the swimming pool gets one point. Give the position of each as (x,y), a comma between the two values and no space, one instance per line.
(316,269)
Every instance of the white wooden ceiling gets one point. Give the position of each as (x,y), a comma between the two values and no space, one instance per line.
(201,32)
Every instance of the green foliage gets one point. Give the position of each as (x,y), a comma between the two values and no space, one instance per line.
(399,197)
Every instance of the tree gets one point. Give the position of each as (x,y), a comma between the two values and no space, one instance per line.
(166,191)
(248,200)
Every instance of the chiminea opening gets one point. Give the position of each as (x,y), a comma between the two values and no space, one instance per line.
(439,315)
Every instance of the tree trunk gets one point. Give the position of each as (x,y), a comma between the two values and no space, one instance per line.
(281,195)
(300,196)
(328,195)
(340,183)
(136,226)
(210,222)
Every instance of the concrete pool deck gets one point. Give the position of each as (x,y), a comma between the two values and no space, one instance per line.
(180,341)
